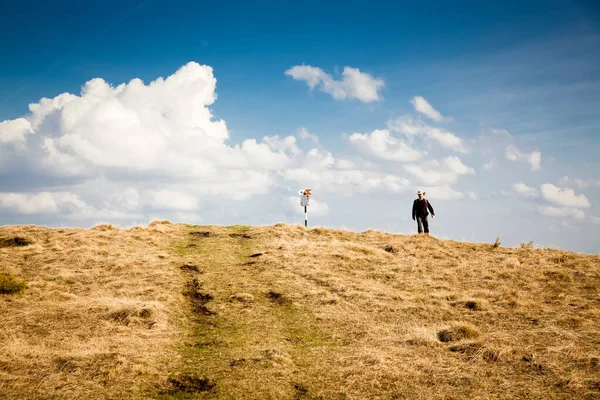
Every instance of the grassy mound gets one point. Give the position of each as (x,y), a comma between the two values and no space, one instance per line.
(179,311)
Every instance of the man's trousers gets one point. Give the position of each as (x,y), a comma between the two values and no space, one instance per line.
(423,223)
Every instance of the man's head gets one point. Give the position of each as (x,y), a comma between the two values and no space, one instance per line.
(420,194)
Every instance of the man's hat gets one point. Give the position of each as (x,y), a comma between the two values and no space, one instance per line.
(419,192)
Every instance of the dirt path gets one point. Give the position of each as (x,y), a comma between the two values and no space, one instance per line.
(250,337)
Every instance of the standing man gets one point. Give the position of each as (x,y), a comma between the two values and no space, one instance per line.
(419,211)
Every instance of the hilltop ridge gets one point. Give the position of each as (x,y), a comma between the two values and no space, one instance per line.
(188,311)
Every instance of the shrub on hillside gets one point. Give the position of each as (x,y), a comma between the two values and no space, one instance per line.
(14,242)
(9,284)
(497,243)
(528,245)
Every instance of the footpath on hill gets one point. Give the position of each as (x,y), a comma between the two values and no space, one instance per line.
(175,311)
(285,312)
(251,336)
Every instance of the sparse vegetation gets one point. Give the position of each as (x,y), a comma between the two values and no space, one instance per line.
(391,249)
(458,332)
(10,285)
(528,245)
(497,243)
(177,311)
(103,227)
(160,222)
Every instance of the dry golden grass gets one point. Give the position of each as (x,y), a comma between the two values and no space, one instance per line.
(179,311)
(97,318)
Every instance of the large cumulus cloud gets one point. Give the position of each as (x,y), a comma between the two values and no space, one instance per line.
(138,149)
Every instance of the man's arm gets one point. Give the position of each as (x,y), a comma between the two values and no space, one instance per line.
(430,208)
(414,210)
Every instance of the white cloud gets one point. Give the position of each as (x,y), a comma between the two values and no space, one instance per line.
(525,190)
(341,163)
(345,182)
(586,184)
(431,177)
(472,195)
(500,132)
(512,153)
(411,128)
(422,106)
(455,165)
(14,131)
(40,203)
(564,197)
(441,173)
(304,134)
(316,207)
(381,144)
(320,158)
(354,84)
(561,212)
(140,149)
(581,183)
(322,171)
(491,164)
(282,145)
(64,204)
(156,130)
(442,193)
(129,199)
(172,200)
(533,159)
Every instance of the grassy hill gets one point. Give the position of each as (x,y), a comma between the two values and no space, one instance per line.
(283,312)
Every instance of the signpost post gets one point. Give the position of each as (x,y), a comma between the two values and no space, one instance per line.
(304,200)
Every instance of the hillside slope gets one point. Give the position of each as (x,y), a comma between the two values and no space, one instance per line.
(182,311)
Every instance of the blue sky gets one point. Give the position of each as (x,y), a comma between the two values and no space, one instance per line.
(493,108)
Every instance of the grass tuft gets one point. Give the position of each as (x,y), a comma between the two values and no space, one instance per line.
(9,284)
(497,243)
(103,227)
(160,222)
(391,249)
(189,267)
(458,332)
(201,234)
(528,245)
(472,304)
(16,241)
(276,297)
(191,384)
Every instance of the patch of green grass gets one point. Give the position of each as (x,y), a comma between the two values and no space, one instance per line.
(239,228)
(10,285)
(245,346)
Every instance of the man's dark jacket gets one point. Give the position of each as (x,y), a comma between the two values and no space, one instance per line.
(420,208)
